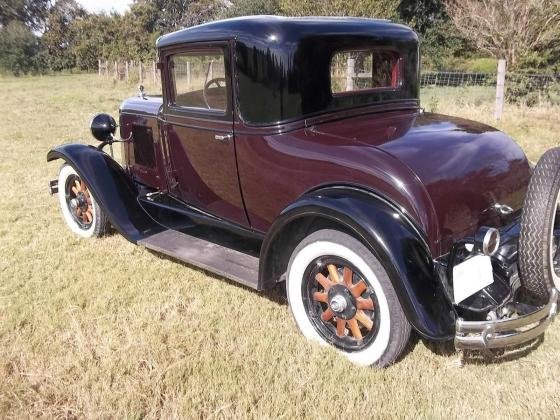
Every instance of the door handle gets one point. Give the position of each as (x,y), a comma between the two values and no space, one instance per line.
(223,137)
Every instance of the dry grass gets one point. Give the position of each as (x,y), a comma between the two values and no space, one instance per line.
(102,328)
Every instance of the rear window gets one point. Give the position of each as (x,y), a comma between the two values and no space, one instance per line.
(355,71)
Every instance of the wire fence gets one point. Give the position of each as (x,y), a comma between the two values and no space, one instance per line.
(535,81)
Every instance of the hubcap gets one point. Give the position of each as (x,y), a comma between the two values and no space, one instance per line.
(340,303)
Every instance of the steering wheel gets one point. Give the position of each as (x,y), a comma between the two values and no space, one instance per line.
(209,83)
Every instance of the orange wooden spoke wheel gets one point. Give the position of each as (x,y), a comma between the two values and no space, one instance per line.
(78,198)
(340,303)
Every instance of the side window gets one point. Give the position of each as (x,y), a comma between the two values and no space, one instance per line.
(362,70)
(198,80)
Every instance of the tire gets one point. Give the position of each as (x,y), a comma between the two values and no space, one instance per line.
(80,211)
(389,331)
(537,244)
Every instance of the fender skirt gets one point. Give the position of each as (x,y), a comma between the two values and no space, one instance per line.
(111,187)
(395,241)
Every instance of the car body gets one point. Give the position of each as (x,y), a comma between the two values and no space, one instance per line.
(231,173)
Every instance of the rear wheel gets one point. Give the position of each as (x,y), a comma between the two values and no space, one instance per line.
(80,210)
(340,295)
(539,240)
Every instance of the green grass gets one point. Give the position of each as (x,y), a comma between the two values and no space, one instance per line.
(102,328)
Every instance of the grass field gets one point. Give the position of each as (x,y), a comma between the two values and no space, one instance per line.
(102,328)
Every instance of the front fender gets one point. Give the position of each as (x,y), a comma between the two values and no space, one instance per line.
(111,187)
(394,240)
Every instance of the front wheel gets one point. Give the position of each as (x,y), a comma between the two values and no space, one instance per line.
(340,295)
(81,212)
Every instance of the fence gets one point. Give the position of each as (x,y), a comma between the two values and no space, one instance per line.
(457,79)
(347,78)
(130,71)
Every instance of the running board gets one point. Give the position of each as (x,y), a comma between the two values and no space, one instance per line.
(226,262)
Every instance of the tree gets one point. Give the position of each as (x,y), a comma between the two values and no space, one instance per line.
(508,29)
(439,38)
(58,38)
(31,13)
(19,48)
(366,8)
(94,37)
(171,15)
(252,7)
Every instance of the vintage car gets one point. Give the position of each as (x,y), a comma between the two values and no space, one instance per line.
(295,151)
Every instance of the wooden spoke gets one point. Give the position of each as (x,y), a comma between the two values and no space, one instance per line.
(358,288)
(353,325)
(333,273)
(83,186)
(320,297)
(347,274)
(89,217)
(366,304)
(340,327)
(323,281)
(364,320)
(327,315)
(78,211)
(75,190)
(77,184)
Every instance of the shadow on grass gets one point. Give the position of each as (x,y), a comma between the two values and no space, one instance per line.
(276,294)
(476,357)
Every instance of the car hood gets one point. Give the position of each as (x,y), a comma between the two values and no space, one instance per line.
(466,167)
(148,105)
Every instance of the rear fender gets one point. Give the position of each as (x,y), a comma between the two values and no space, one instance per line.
(392,237)
(111,187)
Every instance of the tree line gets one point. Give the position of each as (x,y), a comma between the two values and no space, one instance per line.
(45,35)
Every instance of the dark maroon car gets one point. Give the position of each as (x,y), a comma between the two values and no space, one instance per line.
(295,150)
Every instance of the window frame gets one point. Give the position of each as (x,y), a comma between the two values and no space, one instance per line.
(170,89)
(396,72)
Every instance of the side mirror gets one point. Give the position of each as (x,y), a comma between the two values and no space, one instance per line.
(103,126)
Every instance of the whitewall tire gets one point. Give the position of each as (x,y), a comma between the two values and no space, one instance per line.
(79,209)
(340,295)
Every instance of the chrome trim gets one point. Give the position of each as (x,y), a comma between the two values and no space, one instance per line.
(486,241)
(482,335)
(223,137)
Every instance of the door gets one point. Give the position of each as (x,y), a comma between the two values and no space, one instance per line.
(199,131)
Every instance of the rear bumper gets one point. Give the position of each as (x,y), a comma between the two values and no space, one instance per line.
(482,335)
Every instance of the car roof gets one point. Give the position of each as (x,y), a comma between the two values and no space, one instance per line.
(254,30)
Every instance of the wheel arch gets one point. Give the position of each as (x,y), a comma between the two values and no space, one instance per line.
(111,187)
(387,232)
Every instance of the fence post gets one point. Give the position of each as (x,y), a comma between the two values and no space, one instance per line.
(99,66)
(350,74)
(126,71)
(154,71)
(140,75)
(116,70)
(500,87)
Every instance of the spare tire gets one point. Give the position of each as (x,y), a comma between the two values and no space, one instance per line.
(539,251)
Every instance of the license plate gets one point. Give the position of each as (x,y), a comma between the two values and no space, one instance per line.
(471,276)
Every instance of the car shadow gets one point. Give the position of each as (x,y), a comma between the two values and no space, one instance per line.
(478,357)
(277,295)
